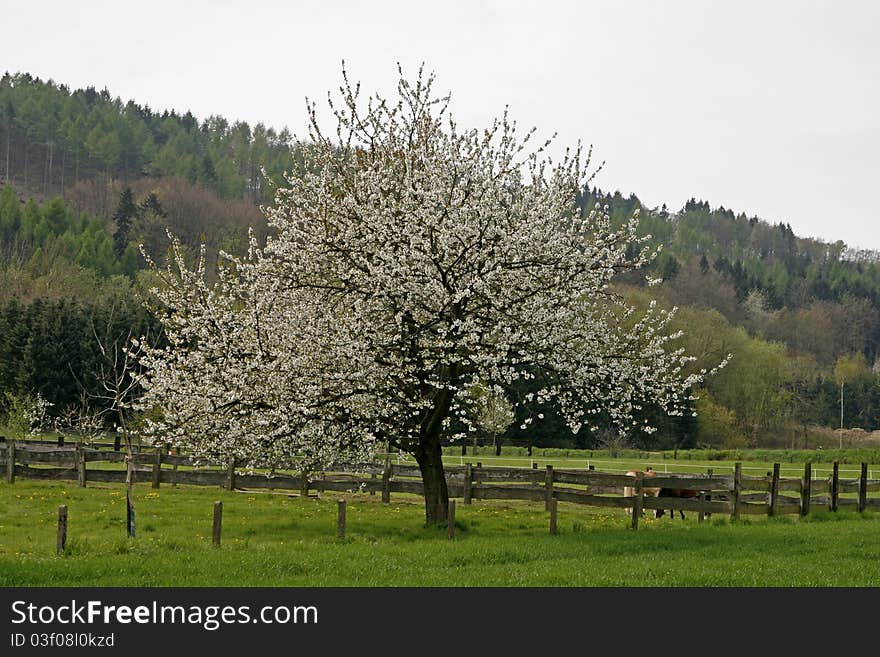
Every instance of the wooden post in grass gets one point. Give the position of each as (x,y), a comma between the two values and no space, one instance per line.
(372,488)
(60,440)
(863,488)
(304,485)
(10,461)
(157,468)
(340,520)
(450,521)
(468,483)
(737,487)
(774,491)
(80,465)
(553,504)
(637,499)
(806,488)
(218,522)
(548,485)
(230,473)
(62,529)
(708,496)
(386,481)
(835,485)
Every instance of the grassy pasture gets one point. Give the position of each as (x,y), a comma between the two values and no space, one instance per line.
(276,540)
(754,462)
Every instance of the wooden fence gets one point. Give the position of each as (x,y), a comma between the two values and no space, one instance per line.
(734,494)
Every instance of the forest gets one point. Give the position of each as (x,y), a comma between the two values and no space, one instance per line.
(87,178)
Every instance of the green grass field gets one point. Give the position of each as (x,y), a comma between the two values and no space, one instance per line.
(276,540)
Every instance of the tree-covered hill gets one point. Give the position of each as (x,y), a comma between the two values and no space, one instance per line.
(53,137)
(88,177)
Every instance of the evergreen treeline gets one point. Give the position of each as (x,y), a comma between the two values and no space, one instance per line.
(54,347)
(32,234)
(51,137)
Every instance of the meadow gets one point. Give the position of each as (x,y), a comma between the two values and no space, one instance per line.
(276,539)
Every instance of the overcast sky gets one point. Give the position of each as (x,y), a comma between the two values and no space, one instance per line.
(770,108)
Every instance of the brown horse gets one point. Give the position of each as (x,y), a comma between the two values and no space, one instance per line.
(629,491)
(675,492)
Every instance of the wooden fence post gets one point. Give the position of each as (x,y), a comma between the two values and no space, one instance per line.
(835,485)
(637,499)
(230,473)
(701,498)
(806,488)
(157,468)
(60,440)
(10,461)
(386,481)
(468,483)
(62,529)
(553,505)
(863,488)
(450,521)
(737,487)
(340,520)
(774,491)
(708,496)
(218,522)
(548,485)
(304,485)
(80,465)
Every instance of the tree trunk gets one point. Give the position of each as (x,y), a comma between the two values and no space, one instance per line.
(430,459)
(429,456)
(129,479)
(129,501)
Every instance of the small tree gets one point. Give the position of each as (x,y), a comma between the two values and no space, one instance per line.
(411,261)
(494,414)
(26,414)
(118,378)
(81,420)
(614,441)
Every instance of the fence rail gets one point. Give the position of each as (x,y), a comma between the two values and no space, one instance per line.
(735,494)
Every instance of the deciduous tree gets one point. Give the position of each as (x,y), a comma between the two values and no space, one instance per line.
(411,261)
